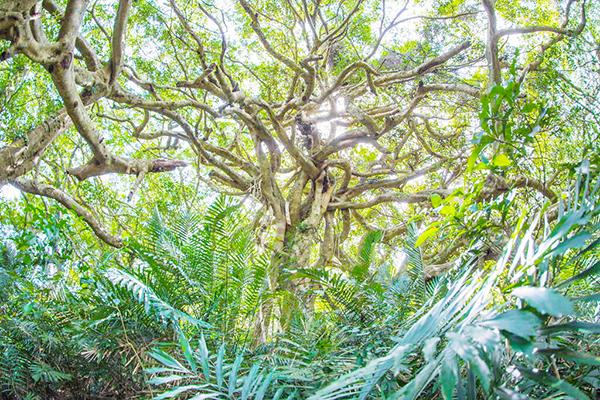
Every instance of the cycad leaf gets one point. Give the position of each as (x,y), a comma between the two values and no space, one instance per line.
(249,381)
(187,351)
(594,269)
(177,391)
(219,366)
(167,360)
(461,346)
(204,358)
(160,380)
(580,358)
(448,374)
(233,374)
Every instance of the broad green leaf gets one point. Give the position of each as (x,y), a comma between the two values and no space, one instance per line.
(501,160)
(436,200)
(426,235)
(498,90)
(448,210)
(529,107)
(545,300)
(518,322)
(473,157)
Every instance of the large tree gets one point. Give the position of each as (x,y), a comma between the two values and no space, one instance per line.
(330,114)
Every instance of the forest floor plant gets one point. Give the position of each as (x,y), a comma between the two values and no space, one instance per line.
(519,328)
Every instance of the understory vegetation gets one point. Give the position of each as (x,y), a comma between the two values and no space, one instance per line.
(175,313)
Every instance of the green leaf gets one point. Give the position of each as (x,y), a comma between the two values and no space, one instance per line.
(529,107)
(426,235)
(160,370)
(264,386)
(448,210)
(518,343)
(278,394)
(187,351)
(482,166)
(167,360)
(204,358)
(463,347)
(488,338)
(575,326)
(545,300)
(233,374)
(501,160)
(205,396)
(473,157)
(580,358)
(177,391)
(159,380)
(436,200)
(518,322)
(575,242)
(498,90)
(547,379)
(589,298)
(219,366)
(507,394)
(448,374)
(429,348)
(249,381)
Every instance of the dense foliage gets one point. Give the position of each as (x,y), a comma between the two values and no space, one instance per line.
(521,327)
(299,199)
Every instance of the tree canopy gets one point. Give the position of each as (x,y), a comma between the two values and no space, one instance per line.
(334,139)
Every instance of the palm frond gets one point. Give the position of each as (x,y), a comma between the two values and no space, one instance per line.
(152,303)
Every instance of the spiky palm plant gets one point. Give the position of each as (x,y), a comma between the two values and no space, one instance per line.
(509,332)
(202,270)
